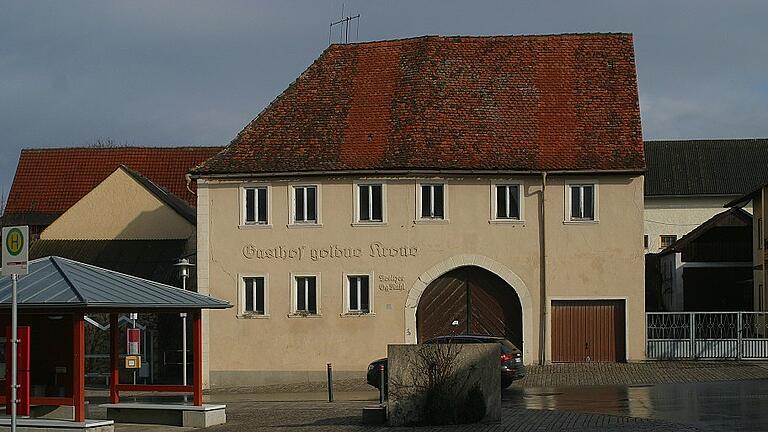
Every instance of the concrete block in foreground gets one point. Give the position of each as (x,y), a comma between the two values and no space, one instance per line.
(470,365)
(375,414)
(164,414)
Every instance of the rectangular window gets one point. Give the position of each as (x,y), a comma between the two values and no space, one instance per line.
(759,233)
(305,204)
(370,203)
(645,241)
(256,205)
(255,295)
(667,240)
(358,294)
(306,294)
(582,202)
(432,201)
(508,202)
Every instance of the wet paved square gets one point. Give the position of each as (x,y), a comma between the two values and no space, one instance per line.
(697,399)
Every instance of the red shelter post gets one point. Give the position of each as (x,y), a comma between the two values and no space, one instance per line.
(78,367)
(114,358)
(197,370)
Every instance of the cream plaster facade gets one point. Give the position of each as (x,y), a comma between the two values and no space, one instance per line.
(588,260)
(119,208)
(679,215)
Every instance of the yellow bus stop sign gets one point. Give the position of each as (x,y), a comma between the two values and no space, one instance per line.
(14,242)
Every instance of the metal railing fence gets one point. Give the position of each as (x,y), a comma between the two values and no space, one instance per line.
(707,335)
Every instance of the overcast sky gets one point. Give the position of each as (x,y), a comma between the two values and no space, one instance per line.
(156,73)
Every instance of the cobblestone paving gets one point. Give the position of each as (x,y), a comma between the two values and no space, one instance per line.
(246,413)
(576,374)
(346,416)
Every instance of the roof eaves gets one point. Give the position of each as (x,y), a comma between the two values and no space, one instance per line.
(28,218)
(406,171)
(744,199)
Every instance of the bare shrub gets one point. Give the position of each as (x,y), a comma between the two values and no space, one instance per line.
(438,388)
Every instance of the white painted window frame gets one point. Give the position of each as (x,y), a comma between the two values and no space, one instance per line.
(347,311)
(295,313)
(242,313)
(242,197)
(568,218)
(292,222)
(521,199)
(356,202)
(418,218)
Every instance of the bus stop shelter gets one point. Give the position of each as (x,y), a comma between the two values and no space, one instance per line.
(53,299)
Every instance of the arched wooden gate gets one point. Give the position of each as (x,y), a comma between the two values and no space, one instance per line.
(470,300)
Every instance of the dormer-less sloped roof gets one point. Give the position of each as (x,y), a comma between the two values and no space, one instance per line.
(49,181)
(733,217)
(508,103)
(59,283)
(712,167)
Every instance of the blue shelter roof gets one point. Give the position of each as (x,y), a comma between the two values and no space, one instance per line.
(59,283)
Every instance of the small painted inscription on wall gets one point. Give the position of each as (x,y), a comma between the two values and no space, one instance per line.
(388,282)
(304,252)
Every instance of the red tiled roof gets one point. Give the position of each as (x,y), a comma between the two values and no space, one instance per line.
(52,180)
(556,102)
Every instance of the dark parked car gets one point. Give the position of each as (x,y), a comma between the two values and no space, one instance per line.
(511,358)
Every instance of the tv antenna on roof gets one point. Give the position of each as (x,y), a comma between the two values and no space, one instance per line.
(344,27)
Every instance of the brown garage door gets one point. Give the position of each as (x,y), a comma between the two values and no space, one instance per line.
(584,331)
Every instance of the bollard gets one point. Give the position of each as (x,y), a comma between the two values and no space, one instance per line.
(381,384)
(330,383)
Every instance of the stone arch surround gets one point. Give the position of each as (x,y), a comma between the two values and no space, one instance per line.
(502,271)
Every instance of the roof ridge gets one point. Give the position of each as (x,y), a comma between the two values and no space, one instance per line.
(480,37)
(105,149)
(66,278)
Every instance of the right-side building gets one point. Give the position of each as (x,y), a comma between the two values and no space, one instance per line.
(758,199)
(687,182)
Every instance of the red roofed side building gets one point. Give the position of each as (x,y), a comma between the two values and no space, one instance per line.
(49,181)
(401,190)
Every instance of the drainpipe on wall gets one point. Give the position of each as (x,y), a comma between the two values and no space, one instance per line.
(543,275)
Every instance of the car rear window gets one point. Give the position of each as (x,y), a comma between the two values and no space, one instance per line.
(508,347)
